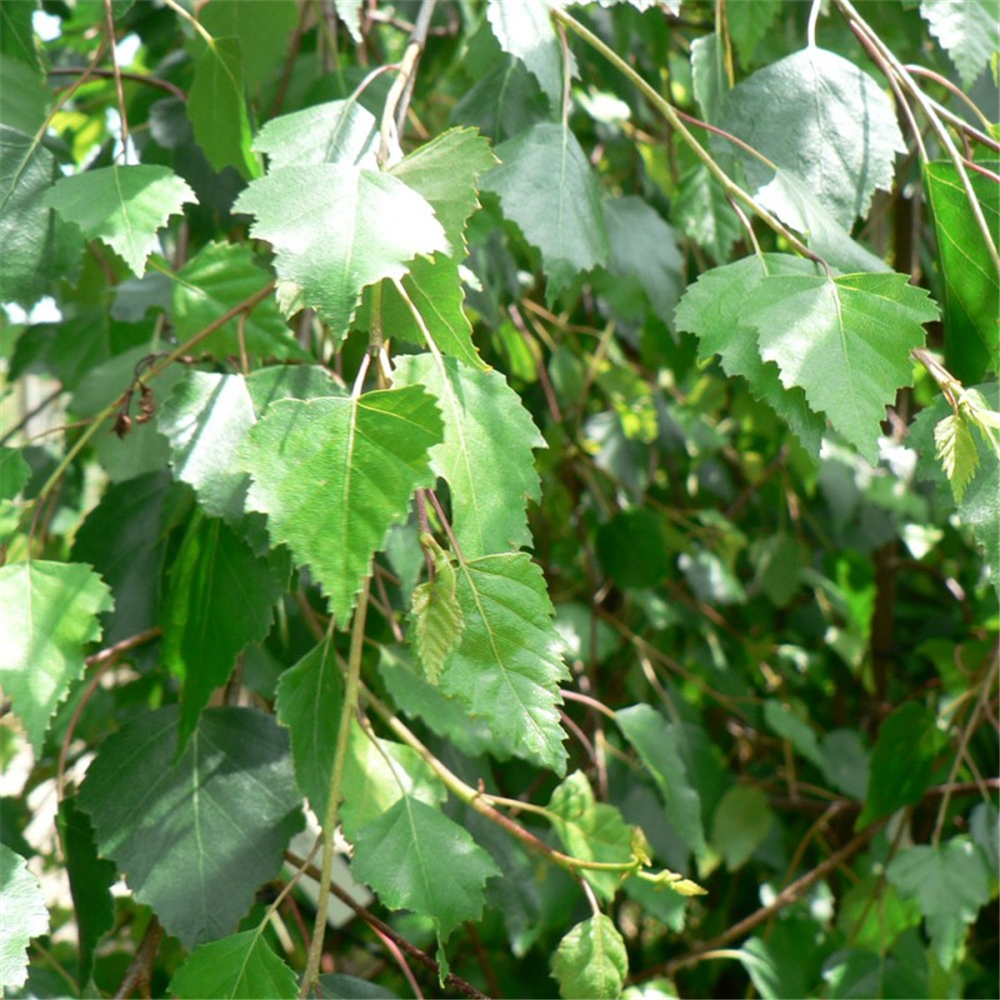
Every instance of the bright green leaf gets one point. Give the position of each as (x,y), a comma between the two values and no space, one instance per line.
(525,30)
(435,614)
(416,858)
(658,743)
(333,475)
(486,456)
(238,967)
(334,132)
(592,831)
(23,97)
(741,823)
(546,186)
(22,917)
(950,881)
(509,662)
(969,32)
(591,960)
(750,21)
(262,29)
(195,837)
(49,613)
(956,448)
(337,228)
(124,207)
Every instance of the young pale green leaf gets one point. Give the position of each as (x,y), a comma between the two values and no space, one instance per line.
(972,285)
(951,882)
(446,171)
(956,448)
(334,132)
(525,30)
(333,475)
(238,967)
(486,455)
(336,228)
(198,835)
(417,859)
(217,108)
(308,702)
(377,774)
(714,308)
(219,277)
(845,341)
(22,917)
(546,186)
(969,32)
(39,248)
(658,743)
(591,961)
(124,207)
(509,662)
(592,831)
(48,613)
(262,29)
(219,600)
(822,118)
(436,614)
(742,820)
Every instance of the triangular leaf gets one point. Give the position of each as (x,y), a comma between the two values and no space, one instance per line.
(591,961)
(238,967)
(337,228)
(416,858)
(196,837)
(335,132)
(317,464)
(969,32)
(509,661)
(525,30)
(22,917)
(125,207)
(486,456)
(262,29)
(546,186)
(49,613)
(956,448)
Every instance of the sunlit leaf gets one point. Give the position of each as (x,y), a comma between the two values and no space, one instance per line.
(238,967)
(591,960)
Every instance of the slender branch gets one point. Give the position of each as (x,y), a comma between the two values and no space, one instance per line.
(140,971)
(109,20)
(107,74)
(193,21)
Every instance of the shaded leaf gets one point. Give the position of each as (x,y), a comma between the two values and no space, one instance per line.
(23,98)
(591,960)
(238,967)
(789,725)
(196,837)
(262,29)
(486,455)
(14,472)
(701,211)
(506,101)
(786,964)
(509,662)
(416,858)
(49,613)
(124,207)
(22,917)
(436,614)
(333,475)
(546,186)
(741,823)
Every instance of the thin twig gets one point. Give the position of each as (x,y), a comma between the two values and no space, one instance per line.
(140,971)
(107,74)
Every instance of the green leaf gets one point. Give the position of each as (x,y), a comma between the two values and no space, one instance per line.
(902,762)
(436,614)
(702,212)
(644,246)
(845,341)
(786,964)
(262,29)
(333,475)
(592,831)
(742,821)
(416,858)
(658,743)
(509,662)
(506,101)
(377,774)
(308,702)
(195,837)
(38,246)
(967,31)
(49,614)
(23,98)
(334,132)
(90,881)
(14,473)
(525,30)
(17,38)
(217,108)
(750,23)
(22,917)
(591,960)
(787,724)
(709,78)
(971,283)
(845,762)
(219,277)
(238,967)
(819,116)
(714,308)
(956,448)
(445,171)
(486,456)
(951,882)
(124,207)
(546,186)
(337,228)
(349,11)
(220,599)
